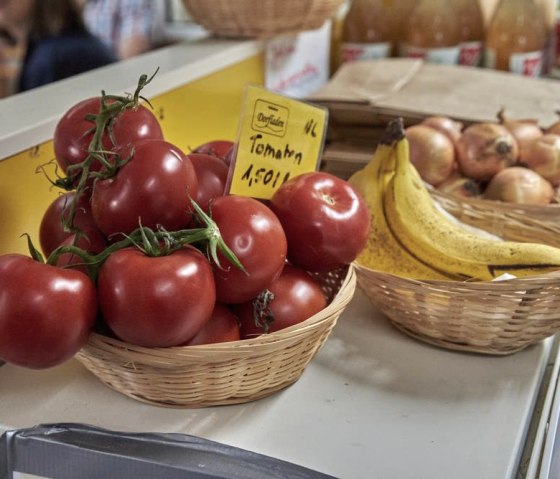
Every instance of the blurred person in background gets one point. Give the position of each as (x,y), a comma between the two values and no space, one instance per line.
(10,62)
(54,39)
(128,27)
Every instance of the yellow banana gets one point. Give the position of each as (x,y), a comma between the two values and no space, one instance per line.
(426,233)
(383,252)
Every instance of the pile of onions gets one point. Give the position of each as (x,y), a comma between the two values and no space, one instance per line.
(484,149)
(519,185)
(449,127)
(524,131)
(543,156)
(509,160)
(462,186)
(555,127)
(432,153)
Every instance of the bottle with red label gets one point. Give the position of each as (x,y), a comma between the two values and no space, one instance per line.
(471,32)
(367,31)
(431,32)
(516,38)
(372,29)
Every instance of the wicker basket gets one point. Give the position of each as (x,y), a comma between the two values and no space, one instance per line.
(530,223)
(491,317)
(218,374)
(260,18)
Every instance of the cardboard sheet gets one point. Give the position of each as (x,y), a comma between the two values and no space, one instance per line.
(416,89)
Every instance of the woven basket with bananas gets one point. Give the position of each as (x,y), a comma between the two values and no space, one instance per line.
(438,279)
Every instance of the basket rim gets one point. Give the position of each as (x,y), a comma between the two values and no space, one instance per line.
(242,346)
(505,206)
(243,23)
(518,283)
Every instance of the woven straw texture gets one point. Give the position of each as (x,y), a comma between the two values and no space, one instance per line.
(218,374)
(490,317)
(531,223)
(260,18)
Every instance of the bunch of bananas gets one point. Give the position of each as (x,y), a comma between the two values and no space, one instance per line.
(411,237)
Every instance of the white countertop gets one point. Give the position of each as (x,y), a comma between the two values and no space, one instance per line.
(373,403)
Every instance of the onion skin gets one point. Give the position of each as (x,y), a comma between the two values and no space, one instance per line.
(524,133)
(519,185)
(554,128)
(461,186)
(432,153)
(484,149)
(445,125)
(543,156)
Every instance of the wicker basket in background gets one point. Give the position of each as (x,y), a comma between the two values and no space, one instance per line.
(218,374)
(260,18)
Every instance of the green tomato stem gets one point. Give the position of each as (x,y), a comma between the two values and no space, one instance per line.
(111,107)
(149,242)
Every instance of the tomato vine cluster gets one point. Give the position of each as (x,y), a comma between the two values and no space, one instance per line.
(144,244)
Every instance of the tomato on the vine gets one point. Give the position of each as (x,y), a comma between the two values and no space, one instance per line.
(222,327)
(51,228)
(217,148)
(212,174)
(325,219)
(156,301)
(90,240)
(74,131)
(46,312)
(154,188)
(290,299)
(256,237)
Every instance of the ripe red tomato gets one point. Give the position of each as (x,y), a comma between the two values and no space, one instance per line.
(73,132)
(326,221)
(46,312)
(153,188)
(296,297)
(211,173)
(222,327)
(230,155)
(255,235)
(51,229)
(217,148)
(156,301)
(91,240)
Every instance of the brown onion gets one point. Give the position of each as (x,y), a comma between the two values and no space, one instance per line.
(524,131)
(556,197)
(484,149)
(431,152)
(543,156)
(461,186)
(520,185)
(554,128)
(445,125)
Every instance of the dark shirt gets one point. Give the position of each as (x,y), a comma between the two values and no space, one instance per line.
(53,58)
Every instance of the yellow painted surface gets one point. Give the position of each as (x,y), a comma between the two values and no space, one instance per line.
(203,110)
(207,109)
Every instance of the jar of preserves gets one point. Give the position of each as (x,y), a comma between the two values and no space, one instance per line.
(516,38)
(431,32)
(367,32)
(471,32)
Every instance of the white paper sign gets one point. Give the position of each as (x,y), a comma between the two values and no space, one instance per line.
(298,65)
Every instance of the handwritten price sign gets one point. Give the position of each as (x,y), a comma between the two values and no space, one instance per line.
(278,138)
